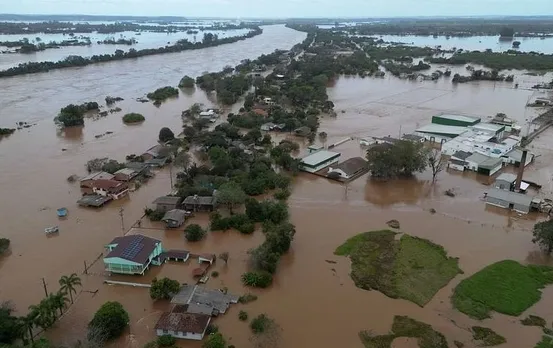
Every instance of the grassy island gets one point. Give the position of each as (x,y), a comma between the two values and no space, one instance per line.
(133,118)
(505,287)
(410,268)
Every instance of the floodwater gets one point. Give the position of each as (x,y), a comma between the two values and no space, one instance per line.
(314,302)
(472,43)
(144,41)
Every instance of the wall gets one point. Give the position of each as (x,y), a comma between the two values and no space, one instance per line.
(456,167)
(502,185)
(180,334)
(496,169)
(320,166)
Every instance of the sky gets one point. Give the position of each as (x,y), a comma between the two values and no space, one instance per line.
(280,8)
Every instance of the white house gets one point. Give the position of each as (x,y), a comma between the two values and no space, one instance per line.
(188,326)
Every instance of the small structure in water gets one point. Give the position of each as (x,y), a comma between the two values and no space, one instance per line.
(62,212)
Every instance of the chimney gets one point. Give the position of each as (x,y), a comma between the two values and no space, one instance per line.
(521,170)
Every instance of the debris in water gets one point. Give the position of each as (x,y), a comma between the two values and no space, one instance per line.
(393,223)
(330,261)
(450,193)
(432,211)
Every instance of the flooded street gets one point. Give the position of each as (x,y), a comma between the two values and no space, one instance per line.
(314,302)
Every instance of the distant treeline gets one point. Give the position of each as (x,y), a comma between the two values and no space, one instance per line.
(459,27)
(209,40)
(54,27)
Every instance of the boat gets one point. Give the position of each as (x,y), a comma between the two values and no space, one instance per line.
(50,230)
(62,212)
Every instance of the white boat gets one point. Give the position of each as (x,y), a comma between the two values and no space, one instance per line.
(50,230)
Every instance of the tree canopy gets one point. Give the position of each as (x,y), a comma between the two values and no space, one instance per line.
(111,320)
(231,194)
(164,288)
(166,134)
(194,233)
(4,245)
(400,159)
(187,82)
(543,235)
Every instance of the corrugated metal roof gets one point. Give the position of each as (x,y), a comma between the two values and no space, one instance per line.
(461,118)
(511,197)
(442,129)
(507,177)
(319,157)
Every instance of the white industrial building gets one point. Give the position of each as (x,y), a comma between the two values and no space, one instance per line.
(318,160)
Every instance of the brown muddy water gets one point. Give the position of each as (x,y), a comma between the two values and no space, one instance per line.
(314,302)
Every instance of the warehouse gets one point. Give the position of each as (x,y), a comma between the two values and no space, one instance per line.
(455,120)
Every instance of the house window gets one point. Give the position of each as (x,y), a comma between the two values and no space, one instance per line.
(165,332)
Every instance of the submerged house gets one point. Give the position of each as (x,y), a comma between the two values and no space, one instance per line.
(132,254)
(87,180)
(510,200)
(109,188)
(200,300)
(166,203)
(180,324)
(174,218)
(458,161)
(349,169)
(125,174)
(200,203)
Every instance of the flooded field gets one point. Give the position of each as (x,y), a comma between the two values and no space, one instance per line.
(472,43)
(314,302)
(144,40)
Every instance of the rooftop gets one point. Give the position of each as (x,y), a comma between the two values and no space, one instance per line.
(462,154)
(319,157)
(198,295)
(412,137)
(509,196)
(351,165)
(174,214)
(461,118)
(201,200)
(442,129)
(507,177)
(106,184)
(126,171)
(135,248)
(98,175)
(167,200)
(93,200)
(489,127)
(183,322)
(154,150)
(478,158)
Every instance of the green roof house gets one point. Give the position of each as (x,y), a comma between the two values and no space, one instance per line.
(132,254)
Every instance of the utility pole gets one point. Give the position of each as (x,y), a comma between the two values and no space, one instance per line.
(44,285)
(121,210)
(171,174)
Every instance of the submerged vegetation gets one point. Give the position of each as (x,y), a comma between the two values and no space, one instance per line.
(76,61)
(404,326)
(500,60)
(410,268)
(133,118)
(506,287)
(163,93)
(73,115)
(487,337)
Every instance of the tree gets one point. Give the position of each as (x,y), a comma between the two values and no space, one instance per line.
(187,82)
(257,279)
(231,194)
(59,301)
(182,159)
(215,341)
(507,32)
(194,233)
(4,245)
(543,235)
(44,313)
(403,158)
(68,284)
(164,289)
(165,134)
(436,162)
(111,319)
(133,117)
(224,256)
(26,325)
(9,324)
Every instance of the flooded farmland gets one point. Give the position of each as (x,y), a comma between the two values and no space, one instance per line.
(314,302)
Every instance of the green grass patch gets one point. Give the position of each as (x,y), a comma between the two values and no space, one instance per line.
(506,287)
(487,337)
(546,342)
(404,326)
(533,320)
(410,268)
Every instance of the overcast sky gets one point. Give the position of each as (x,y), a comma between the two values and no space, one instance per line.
(280,8)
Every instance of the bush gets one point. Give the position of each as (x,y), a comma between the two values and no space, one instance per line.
(282,194)
(211,329)
(166,341)
(239,222)
(194,233)
(260,323)
(4,245)
(187,82)
(164,289)
(533,320)
(487,336)
(243,316)
(133,118)
(163,93)
(257,279)
(247,298)
(215,341)
(166,134)
(154,215)
(110,320)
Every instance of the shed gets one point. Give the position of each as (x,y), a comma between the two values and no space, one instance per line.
(455,120)
(509,200)
(166,203)
(505,181)
(174,218)
(458,161)
(350,168)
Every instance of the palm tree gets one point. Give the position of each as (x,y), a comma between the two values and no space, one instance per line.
(44,314)
(58,301)
(27,323)
(68,284)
